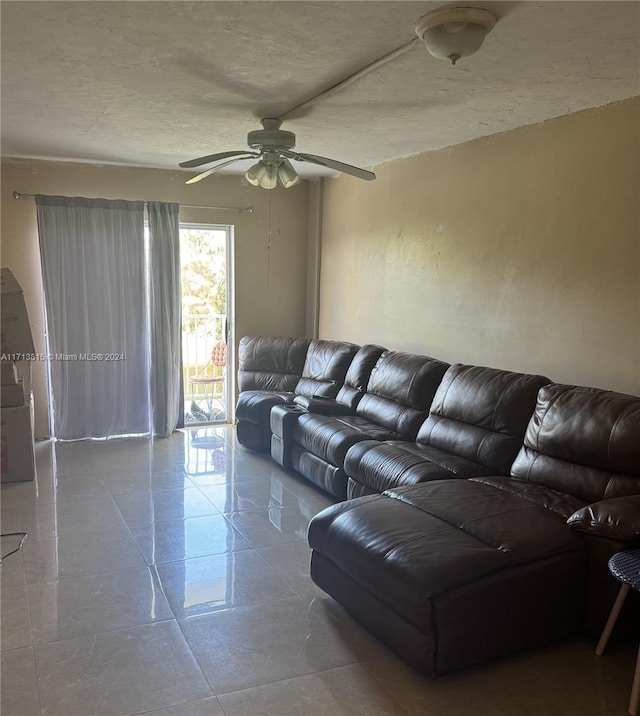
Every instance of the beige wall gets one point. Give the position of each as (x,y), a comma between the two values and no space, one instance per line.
(520,251)
(270,276)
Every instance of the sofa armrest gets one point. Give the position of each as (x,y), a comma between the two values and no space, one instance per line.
(323,406)
(617,518)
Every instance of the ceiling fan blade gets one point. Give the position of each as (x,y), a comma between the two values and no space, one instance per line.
(204,175)
(211,158)
(332,164)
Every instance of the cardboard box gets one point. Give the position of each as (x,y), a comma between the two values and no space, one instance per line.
(12,395)
(9,372)
(23,369)
(15,337)
(17,458)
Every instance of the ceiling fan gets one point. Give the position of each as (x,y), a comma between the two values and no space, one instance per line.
(273,151)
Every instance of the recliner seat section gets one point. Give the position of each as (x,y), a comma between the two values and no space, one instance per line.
(583,444)
(271,364)
(475,427)
(323,372)
(449,573)
(266,366)
(396,402)
(354,386)
(325,368)
(282,419)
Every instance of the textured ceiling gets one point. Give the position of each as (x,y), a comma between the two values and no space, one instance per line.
(155,83)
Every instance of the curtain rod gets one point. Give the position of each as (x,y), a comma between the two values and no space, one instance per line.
(239,209)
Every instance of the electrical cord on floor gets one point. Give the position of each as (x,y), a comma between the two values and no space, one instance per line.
(23,537)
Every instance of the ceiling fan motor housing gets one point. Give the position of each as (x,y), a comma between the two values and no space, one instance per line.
(271,137)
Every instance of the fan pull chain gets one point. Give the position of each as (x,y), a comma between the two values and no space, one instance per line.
(269,244)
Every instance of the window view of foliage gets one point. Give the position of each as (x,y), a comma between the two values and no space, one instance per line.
(204,286)
(204,281)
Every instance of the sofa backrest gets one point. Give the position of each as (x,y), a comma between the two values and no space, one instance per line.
(357,378)
(481,414)
(400,391)
(583,442)
(270,363)
(325,368)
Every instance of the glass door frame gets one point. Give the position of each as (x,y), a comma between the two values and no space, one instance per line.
(230,383)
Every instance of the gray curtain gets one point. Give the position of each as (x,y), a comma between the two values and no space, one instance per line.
(166,294)
(93,268)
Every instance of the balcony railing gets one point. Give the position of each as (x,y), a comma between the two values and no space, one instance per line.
(205,400)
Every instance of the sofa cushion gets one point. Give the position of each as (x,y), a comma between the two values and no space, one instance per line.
(559,502)
(325,367)
(254,406)
(582,442)
(358,375)
(381,466)
(266,363)
(369,428)
(329,437)
(400,391)
(481,414)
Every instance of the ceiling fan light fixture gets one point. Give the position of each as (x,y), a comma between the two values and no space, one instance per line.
(251,175)
(287,174)
(263,175)
(273,147)
(452,33)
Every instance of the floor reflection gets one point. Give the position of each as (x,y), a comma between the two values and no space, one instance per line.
(149,563)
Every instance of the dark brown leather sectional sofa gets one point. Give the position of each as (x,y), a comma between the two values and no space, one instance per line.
(484,504)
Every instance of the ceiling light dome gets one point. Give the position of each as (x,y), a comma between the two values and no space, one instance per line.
(269,169)
(287,174)
(452,33)
(262,175)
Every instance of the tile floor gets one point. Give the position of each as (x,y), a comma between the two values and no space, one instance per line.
(171,578)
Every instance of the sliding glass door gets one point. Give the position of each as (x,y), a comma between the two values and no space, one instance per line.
(206,253)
